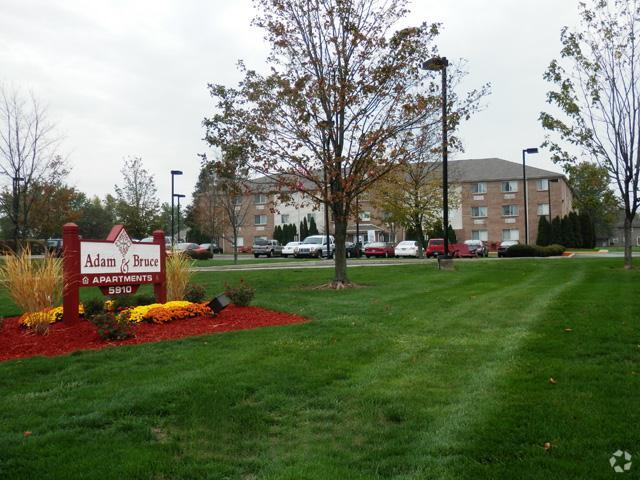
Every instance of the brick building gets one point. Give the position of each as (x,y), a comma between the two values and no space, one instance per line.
(491,206)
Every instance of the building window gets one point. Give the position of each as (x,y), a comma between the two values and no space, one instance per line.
(478,212)
(260,219)
(240,242)
(510,186)
(365,216)
(260,198)
(543,185)
(480,187)
(284,219)
(480,235)
(509,210)
(543,209)
(237,201)
(510,234)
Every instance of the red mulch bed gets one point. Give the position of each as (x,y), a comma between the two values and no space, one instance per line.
(17,342)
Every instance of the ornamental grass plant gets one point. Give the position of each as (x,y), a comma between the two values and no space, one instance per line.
(34,285)
(178,275)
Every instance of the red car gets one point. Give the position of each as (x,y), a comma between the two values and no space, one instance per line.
(379,249)
(435,248)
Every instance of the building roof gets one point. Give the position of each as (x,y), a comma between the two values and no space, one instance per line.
(494,169)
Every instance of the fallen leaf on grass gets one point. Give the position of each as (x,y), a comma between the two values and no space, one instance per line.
(26,434)
(547,446)
(568,330)
(552,381)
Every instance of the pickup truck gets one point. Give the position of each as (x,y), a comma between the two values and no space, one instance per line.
(269,248)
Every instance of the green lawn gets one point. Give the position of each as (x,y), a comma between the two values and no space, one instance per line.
(419,374)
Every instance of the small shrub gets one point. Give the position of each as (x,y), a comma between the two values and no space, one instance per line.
(112,327)
(146,299)
(93,306)
(240,294)
(178,275)
(194,293)
(521,250)
(122,302)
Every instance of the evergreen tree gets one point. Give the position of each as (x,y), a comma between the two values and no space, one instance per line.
(556,231)
(293,232)
(566,229)
(277,233)
(577,232)
(587,230)
(304,229)
(435,230)
(313,229)
(544,232)
(452,235)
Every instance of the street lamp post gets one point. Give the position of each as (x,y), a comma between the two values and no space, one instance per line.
(554,180)
(524,188)
(173,174)
(441,64)
(16,210)
(178,196)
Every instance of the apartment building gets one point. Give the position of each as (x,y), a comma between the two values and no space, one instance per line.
(492,204)
(490,207)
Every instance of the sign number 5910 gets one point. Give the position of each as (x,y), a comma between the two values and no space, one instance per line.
(120,290)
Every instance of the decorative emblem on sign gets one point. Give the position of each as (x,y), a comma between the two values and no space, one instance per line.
(123,242)
(85,280)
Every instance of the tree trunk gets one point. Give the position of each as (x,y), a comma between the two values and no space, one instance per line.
(235,246)
(340,256)
(420,233)
(628,258)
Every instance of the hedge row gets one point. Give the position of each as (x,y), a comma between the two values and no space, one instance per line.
(521,250)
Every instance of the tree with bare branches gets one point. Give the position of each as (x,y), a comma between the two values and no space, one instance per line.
(329,119)
(29,157)
(598,95)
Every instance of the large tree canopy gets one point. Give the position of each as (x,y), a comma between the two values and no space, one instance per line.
(598,96)
(342,91)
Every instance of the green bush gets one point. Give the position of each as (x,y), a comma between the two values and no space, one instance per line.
(112,327)
(146,299)
(240,294)
(93,306)
(521,250)
(194,293)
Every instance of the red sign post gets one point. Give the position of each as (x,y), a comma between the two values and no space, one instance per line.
(116,265)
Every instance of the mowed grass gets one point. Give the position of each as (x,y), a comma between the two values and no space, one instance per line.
(418,374)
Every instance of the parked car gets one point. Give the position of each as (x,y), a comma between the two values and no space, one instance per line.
(379,249)
(502,249)
(212,247)
(435,247)
(462,250)
(354,250)
(54,247)
(267,247)
(289,249)
(186,247)
(203,252)
(407,248)
(477,247)
(315,246)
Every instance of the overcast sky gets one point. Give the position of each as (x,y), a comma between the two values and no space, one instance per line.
(129,77)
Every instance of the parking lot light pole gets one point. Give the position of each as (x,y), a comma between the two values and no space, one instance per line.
(524,188)
(173,174)
(441,64)
(178,196)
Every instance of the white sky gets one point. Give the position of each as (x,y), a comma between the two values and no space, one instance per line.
(129,77)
